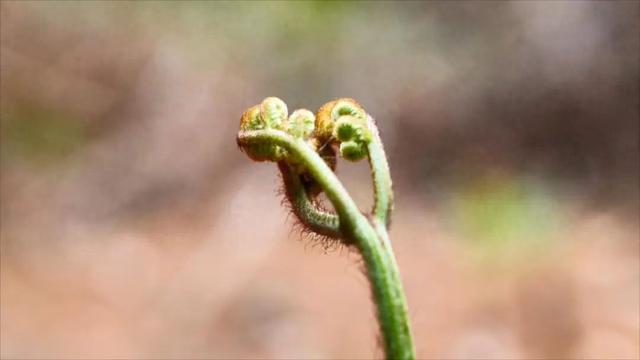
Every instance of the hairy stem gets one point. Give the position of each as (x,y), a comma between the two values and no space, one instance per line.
(386,284)
(314,218)
(383,204)
(370,238)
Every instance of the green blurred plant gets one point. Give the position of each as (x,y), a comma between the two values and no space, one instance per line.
(304,146)
(39,135)
(505,219)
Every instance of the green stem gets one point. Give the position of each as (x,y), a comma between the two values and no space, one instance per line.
(373,244)
(386,286)
(314,218)
(382,186)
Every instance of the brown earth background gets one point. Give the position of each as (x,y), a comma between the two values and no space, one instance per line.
(133,228)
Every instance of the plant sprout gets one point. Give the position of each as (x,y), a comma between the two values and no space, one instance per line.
(304,147)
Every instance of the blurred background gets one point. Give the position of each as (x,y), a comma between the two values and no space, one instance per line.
(132,227)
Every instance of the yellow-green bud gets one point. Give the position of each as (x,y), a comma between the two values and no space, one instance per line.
(301,123)
(348,107)
(253,120)
(274,113)
(352,151)
(331,111)
(354,135)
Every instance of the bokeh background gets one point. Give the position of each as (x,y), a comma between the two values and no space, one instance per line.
(132,227)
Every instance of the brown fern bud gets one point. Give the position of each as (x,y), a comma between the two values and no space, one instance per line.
(329,113)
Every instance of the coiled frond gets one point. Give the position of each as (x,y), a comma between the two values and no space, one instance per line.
(304,147)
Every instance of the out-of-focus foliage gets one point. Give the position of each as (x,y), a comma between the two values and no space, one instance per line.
(40,134)
(506,218)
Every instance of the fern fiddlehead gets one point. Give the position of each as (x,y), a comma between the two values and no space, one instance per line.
(304,148)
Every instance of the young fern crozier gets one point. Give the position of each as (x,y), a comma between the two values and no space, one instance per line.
(304,147)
